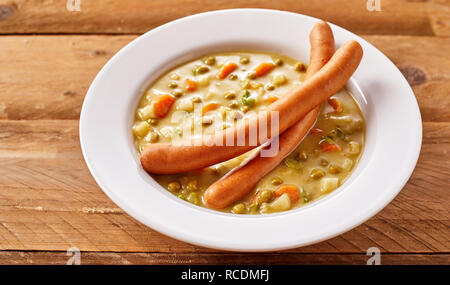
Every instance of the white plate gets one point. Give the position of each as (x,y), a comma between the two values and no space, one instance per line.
(394,132)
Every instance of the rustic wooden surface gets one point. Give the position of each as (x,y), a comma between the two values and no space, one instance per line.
(49,202)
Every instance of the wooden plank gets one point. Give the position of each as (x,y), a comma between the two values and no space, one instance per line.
(137,16)
(49,201)
(117,258)
(439,12)
(46,77)
(425,66)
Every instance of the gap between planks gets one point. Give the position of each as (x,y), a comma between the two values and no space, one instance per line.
(47,77)
(148,258)
(135,16)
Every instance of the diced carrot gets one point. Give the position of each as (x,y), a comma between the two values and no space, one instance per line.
(336,104)
(191,85)
(209,107)
(226,69)
(270,100)
(292,191)
(264,68)
(327,147)
(163,104)
(317,132)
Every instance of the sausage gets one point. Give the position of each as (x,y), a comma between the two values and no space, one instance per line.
(167,158)
(240,182)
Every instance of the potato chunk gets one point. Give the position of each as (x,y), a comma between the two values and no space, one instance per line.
(328,184)
(282,203)
(141,129)
(147,112)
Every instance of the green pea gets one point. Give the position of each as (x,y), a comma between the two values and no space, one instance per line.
(278,62)
(334,169)
(194,198)
(300,67)
(229,95)
(251,75)
(245,59)
(245,109)
(196,99)
(270,87)
(210,60)
(153,137)
(239,209)
(323,162)
(232,76)
(253,209)
(192,185)
(172,84)
(177,93)
(277,181)
(202,69)
(266,196)
(317,173)
(174,186)
(233,104)
(174,76)
(293,163)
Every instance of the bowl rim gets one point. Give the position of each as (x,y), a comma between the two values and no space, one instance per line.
(89,147)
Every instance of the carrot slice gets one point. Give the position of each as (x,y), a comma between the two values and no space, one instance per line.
(270,100)
(292,191)
(163,104)
(226,69)
(209,107)
(327,147)
(264,68)
(336,104)
(316,132)
(191,85)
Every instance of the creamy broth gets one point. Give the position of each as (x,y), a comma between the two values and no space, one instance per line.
(194,94)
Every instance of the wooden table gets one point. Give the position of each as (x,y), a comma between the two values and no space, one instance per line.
(49,202)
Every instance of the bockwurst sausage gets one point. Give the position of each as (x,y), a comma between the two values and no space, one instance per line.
(167,158)
(240,182)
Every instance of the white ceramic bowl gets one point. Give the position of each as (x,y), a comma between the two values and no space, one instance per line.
(393,135)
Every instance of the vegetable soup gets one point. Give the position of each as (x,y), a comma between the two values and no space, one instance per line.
(218,90)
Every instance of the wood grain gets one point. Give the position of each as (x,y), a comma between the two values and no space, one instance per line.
(425,66)
(49,202)
(136,16)
(439,12)
(115,258)
(46,77)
